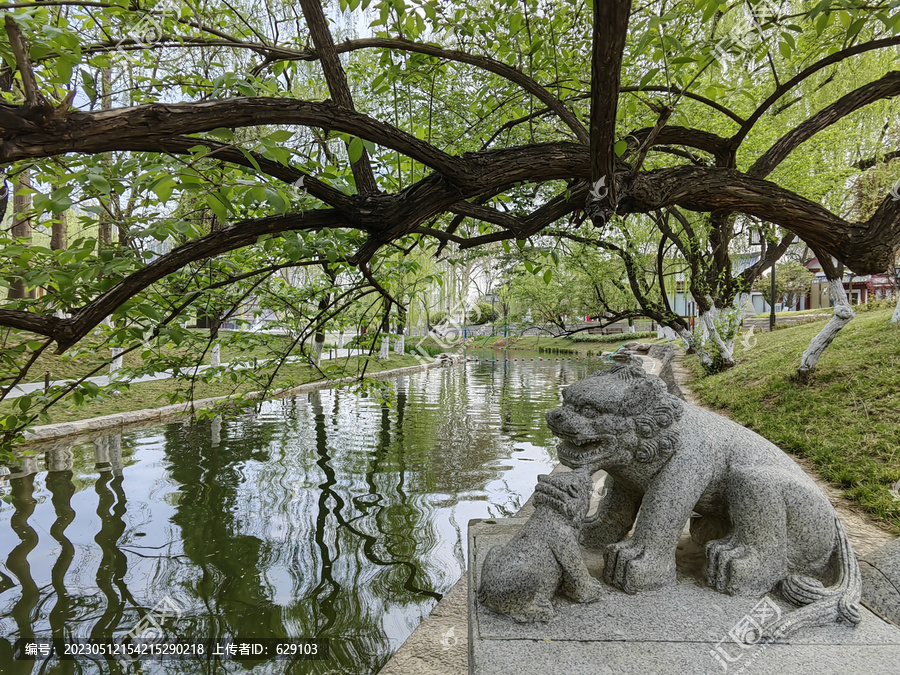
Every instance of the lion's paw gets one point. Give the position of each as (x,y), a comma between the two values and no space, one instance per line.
(738,569)
(587,593)
(633,567)
(541,609)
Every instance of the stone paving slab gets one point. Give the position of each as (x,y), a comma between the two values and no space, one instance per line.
(675,630)
(522,657)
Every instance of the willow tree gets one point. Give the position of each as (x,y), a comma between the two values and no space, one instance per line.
(416,123)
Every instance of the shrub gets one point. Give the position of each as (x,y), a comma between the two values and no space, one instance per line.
(481,313)
(431,350)
(618,337)
(875,305)
(436,317)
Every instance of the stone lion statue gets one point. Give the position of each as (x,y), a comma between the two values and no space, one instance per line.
(763,521)
(521,577)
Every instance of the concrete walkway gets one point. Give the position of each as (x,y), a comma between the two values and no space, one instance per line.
(103,380)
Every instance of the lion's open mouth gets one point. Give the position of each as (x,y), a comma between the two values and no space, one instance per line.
(574,455)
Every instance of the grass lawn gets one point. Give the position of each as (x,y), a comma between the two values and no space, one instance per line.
(84,358)
(846,420)
(536,343)
(802,312)
(157,394)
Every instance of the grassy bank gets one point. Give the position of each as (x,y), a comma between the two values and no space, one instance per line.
(88,354)
(161,392)
(582,344)
(845,421)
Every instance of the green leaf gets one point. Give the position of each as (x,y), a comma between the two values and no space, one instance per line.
(99,183)
(217,207)
(857,25)
(620,147)
(60,204)
(281,135)
(785,49)
(548,275)
(163,188)
(223,134)
(275,200)
(355,150)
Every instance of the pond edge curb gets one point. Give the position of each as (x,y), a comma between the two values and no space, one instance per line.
(123,420)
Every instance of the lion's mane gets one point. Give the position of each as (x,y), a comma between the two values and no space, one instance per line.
(652,409)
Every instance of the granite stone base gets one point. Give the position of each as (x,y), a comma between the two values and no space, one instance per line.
(686,629)
(881,581)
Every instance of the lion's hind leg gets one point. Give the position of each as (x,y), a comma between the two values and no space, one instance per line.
(752,559)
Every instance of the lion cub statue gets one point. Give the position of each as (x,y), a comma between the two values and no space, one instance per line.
(764,522)
(521,577)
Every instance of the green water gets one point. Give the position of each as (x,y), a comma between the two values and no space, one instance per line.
(327,515)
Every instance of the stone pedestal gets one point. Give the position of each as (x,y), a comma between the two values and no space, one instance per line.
(881,581)
(686,628)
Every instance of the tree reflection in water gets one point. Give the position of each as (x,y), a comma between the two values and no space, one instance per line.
(327,515)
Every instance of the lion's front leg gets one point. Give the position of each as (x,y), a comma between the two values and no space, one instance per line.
(634,566)
(577,582)
(647,560)
(615,515)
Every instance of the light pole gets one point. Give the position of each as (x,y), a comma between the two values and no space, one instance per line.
(772,301)
(493,316)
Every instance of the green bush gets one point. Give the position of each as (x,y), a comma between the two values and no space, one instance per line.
(436,317)
(618,337)
(363,340)
(431,350)
(876,305)
(481,313)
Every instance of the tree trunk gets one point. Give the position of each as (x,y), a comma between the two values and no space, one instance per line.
(116,362)
(104,227)
(318,346)
(715,351)
(723,347)
(214,320)
(896,317)
(843,313)
(400,342)
(319,339)
(340,341)
(21,228)
(59,232)
(385,352)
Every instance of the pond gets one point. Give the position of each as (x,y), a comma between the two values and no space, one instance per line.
(326,515)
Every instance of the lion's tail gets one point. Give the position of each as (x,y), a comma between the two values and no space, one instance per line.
(823,605)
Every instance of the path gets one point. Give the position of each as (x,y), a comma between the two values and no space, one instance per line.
(103,380)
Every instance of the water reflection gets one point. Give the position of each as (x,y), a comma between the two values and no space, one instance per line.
(327,515)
